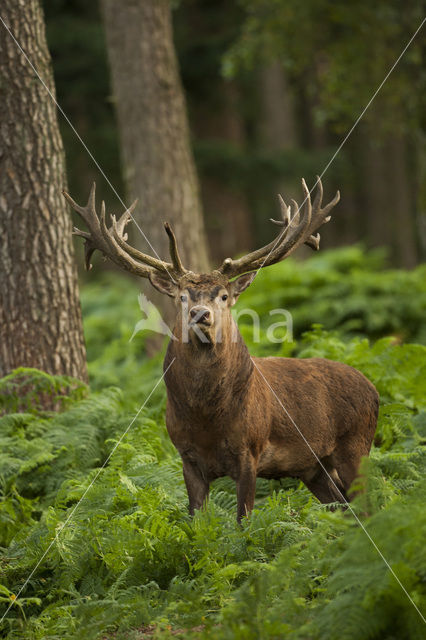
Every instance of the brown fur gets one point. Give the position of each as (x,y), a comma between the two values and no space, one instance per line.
(224,419)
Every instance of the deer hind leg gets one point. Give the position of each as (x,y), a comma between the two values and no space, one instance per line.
(197,486)
(246,487)
(325,483)
(346,460)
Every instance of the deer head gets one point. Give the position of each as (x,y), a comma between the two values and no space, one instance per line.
(203,301)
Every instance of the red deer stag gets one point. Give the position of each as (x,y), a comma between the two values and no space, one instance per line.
(231,414)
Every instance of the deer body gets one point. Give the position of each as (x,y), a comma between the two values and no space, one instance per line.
(228,413)
(225,416)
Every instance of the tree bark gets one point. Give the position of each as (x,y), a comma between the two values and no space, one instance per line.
(40,315)
(157,160)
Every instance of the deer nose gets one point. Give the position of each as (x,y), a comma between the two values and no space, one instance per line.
(200,314)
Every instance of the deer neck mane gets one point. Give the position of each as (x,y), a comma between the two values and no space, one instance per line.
(206,373)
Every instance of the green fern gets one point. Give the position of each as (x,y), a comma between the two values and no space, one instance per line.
(108,514)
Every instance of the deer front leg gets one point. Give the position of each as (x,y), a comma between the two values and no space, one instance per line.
(246,487)
(196,486)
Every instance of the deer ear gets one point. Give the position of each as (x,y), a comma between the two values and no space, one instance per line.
(163,284)
(240,284)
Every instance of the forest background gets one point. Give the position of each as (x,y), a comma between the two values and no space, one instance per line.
(272,88)
(95,539)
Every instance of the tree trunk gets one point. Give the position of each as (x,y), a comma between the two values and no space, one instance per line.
(277,124)
(277,131)
(157,160)
(227,211)
(401,201)
(40,315)
(419,144)
(388,189)
(375,211)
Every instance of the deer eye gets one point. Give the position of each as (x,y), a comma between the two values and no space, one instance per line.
(225,296)
(184,298)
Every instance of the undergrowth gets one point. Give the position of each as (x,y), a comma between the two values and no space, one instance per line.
(95,537)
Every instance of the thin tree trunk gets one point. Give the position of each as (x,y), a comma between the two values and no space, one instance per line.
(376,213)
(419,144)
(401,201)
(226,207)
(154,133)
(319,136)
(40,317)
(277,132)
(277,125)
(389,201)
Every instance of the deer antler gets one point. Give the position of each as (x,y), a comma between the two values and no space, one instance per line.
(112,241)
(298,227)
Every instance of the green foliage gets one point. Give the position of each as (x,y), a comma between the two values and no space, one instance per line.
(341,52)
(334,584)
(346,289)
(111,312)
(93,518)
(27,389)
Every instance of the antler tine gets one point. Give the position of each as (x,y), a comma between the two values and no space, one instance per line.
(94,239)
(159,265)
(105,240)
(330,205)
(307,202)
(319,216)
(314,241)
(296,215)
(124,220)
(319,194)
(102,219)
(285,214)
(299,226)
(174,253)
(88,213)
(88,248)
(82,234)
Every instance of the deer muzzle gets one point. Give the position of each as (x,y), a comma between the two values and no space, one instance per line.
(200,315)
